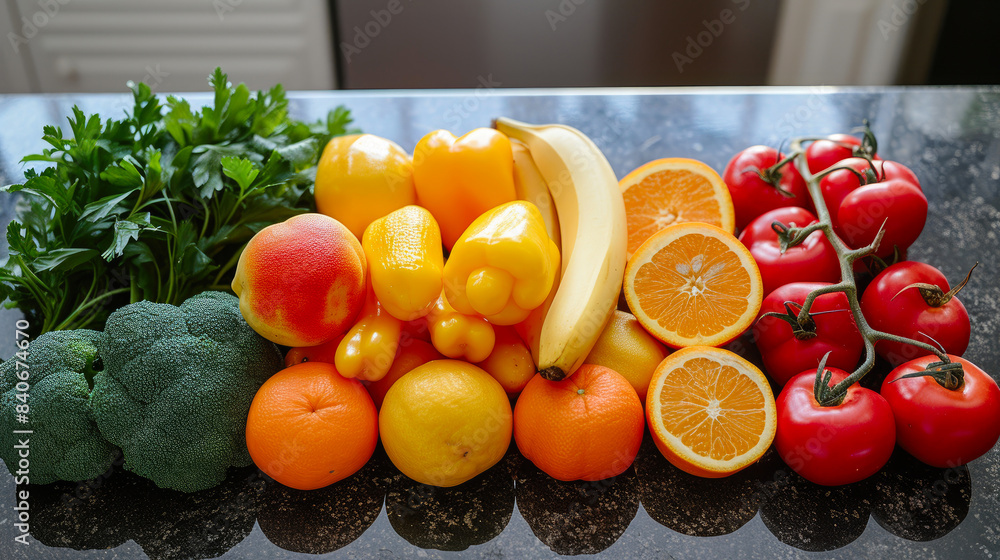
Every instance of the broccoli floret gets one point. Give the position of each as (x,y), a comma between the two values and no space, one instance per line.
(177,385)
(65,443)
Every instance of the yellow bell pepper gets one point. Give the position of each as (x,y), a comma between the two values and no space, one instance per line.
(503,266)
(459,179)
(405,261)
(465,337)
(369,348)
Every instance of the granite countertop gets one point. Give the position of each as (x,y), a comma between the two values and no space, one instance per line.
(949,137)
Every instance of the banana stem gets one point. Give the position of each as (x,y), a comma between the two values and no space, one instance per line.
(847,284)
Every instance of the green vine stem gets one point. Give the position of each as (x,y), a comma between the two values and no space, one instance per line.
(791,236)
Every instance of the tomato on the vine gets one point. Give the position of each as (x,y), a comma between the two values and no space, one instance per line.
(821,154)
(913,300)
(865,213)
(888,169)
(756,188)
(838,444)
(947,419)
(901,205)
(787,351)
(814,260)
(836,185)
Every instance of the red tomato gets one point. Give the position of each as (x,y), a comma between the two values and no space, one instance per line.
(888,169)
(838,184)
(752,195)
(785,354)
(909,314)
(901,204)
(821,154)
(939,426)
(814,260)
(833,445)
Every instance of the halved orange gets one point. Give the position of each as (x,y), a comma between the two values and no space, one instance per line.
(711,413)
(693,285)
(670,191)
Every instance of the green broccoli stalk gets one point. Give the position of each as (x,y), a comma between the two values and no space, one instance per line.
(177,385)
(65,443)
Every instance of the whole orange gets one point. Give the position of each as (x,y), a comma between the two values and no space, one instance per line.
(362,177)
(414,353)
(627,348)
(301,282)
(510,362)
(326,352)
(309,427)
(586,427)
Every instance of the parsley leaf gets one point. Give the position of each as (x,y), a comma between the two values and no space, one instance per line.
(157,204)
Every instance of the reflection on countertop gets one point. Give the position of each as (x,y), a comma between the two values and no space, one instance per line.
(909,499)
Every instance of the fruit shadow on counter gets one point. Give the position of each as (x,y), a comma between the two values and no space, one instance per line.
(907,498)
(119,506)
(454,518)
(579,517)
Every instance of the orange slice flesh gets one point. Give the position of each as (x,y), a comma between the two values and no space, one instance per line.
(710,412)
(693,284)
(670,191)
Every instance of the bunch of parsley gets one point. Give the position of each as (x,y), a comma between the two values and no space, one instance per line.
(157,205)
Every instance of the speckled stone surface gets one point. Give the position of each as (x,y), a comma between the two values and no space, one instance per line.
(949,137)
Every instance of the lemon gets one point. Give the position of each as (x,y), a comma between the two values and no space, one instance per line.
(627,348)
(445,422)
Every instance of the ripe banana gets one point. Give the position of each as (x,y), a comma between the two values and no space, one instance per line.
(592,227)
(531,186)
